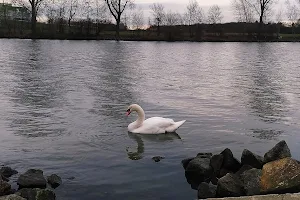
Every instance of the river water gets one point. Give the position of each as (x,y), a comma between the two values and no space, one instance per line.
(63,104)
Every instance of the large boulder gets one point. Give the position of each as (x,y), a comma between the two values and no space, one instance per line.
(54,180)
(4,187)
(216,162)
(33,178)
(12,197)
(206,190)
(204,155)
(198,170)
(230,186)
(281,176)
(229,162)
(186,161)
(36,194)
(279,151)
(243,169)
(249,158)
(7,171)
(251,181)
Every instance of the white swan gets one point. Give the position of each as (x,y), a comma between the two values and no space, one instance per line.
(153,125)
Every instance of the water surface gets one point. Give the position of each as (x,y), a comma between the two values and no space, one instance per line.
(63,109)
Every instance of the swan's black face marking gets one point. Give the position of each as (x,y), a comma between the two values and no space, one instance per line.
(128,112)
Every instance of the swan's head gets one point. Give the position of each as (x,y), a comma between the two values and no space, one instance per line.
(133,107)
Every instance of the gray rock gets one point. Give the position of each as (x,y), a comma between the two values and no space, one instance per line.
(12,197)
(279,151)
(243,169)
(157,158)
(36,194)
(33,178)
(3,178)
(251,181)
(204,155)
(229,162)
(54,180)
(223,172)
(198,170)
(230,186)
(216,162)
(252,159)
(8,172)
(4,187)
(186,161)
(206,190)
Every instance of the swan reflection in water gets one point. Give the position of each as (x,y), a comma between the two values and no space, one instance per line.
(140,138)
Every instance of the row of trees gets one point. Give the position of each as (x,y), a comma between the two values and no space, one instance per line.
(124,11)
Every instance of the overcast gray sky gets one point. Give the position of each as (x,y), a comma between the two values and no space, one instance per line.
(180,6)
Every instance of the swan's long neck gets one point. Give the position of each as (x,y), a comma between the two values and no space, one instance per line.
(141,116)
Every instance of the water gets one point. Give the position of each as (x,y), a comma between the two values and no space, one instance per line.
(63,107)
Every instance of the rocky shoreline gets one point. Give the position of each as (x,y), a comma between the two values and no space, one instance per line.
(32,185)
(222,175)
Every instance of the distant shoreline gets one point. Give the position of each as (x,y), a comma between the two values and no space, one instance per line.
(153,40)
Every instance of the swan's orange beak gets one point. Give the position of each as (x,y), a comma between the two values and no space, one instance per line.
(128,112)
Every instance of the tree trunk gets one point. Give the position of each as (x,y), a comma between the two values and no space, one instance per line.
(33,19)
(118,29)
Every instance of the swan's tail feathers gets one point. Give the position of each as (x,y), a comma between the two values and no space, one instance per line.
(175,126)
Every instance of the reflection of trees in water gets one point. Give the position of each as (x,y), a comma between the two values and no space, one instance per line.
(140,138)
(265,97)
(36,94)
(266,134)
(261,85)
(113,86)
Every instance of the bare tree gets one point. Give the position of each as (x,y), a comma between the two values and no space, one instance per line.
(215,14)
(158,15)
(194,15)
(292,11)
(262,8)
(101,14)
(173,18)
(72,6)
(138,19)
(33,6)
(243,10)
(116,8)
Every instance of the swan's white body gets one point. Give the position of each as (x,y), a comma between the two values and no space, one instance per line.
(153,125)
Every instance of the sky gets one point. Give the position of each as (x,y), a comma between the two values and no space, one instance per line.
(180,6)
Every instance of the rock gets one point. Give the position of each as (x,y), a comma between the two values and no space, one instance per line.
(243,169)
(3,178)
(36,194)
(281,176)
(249,158)
(54,180)
(8,172)
(4,187)
(229,186)
(206,190)
(157,158)
(223,172)
(185,162)
(198,170)
(12,197)
(230,162)
(204,155)
(251,181)
(279,151)
(214,180)
(216,162)
(33,178)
